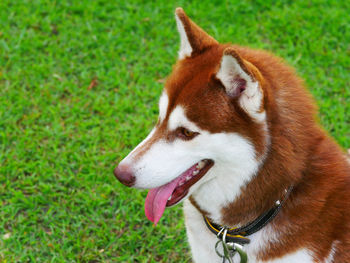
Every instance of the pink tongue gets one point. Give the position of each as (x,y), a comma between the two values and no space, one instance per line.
(156,200)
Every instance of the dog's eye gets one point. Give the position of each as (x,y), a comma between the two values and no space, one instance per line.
(186,134)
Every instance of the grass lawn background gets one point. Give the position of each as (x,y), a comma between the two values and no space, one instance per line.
(79,85)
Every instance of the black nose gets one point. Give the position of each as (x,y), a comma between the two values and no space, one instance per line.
(124,174)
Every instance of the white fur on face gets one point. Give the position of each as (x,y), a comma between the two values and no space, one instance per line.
(251,98)
(163,106)
(234,157)
(178,118)
(185,47)
(165,160)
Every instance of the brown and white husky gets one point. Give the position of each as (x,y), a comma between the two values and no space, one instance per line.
(236,128)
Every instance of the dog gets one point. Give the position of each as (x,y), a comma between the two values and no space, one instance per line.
(238,142)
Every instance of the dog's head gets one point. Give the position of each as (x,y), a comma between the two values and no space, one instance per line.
(212,124)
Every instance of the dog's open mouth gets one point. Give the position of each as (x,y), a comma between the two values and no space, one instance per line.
(172,192)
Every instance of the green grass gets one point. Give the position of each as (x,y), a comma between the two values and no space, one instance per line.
(60,139)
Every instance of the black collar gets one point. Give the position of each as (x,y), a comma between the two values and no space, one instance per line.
(239,235)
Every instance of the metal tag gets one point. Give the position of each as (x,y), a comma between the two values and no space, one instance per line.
(229,249)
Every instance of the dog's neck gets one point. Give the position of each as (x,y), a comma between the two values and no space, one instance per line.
(212,197)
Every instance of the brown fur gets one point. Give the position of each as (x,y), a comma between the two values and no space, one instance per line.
(300,153)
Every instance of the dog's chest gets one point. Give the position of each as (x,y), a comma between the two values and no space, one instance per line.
(202,242)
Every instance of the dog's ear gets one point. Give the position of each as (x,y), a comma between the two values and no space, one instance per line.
(194,40)
(239,77)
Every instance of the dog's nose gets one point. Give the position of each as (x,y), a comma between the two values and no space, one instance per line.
(124,174)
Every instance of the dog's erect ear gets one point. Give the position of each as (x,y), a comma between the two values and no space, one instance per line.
(238,76)
(193,39)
